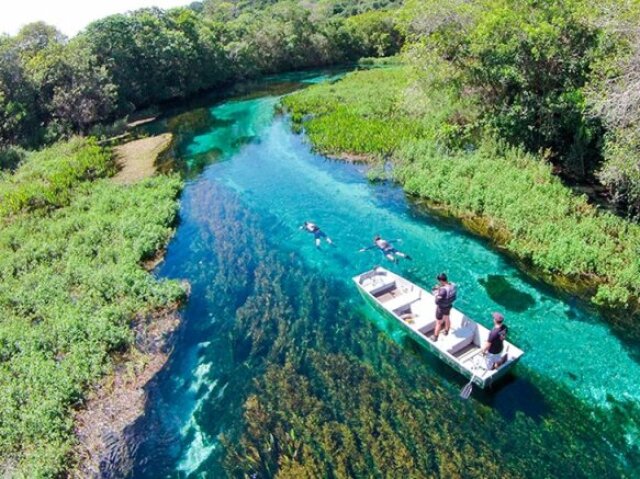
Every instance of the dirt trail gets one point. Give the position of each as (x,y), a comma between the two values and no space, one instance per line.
(136,159)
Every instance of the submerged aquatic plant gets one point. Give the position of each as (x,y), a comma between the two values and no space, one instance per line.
(323,393)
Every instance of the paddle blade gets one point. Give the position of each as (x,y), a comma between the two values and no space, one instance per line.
(466,390)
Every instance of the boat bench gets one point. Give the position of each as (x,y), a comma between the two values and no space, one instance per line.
(459,339)
(424,319)
(382,287)
(399,304)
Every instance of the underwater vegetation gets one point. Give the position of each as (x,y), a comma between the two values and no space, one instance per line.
(323,392)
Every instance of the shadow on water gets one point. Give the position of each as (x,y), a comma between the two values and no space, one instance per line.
(505,294)
(500,290)
(515,394)
(511,395)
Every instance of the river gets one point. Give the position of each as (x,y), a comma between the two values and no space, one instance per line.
(268,309)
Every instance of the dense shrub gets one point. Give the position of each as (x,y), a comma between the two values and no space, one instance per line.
(70,284)
(361,114)
(11,157)
(47,179)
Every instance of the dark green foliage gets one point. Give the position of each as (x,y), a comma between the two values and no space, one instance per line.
(70,285)
(525,64)
(10,157)
(184,54)
(224,10)
(19,112)
(620,172)
(529,62)
(557,77)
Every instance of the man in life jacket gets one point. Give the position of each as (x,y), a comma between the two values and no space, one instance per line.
(318,234)
(495,343)
(445,294)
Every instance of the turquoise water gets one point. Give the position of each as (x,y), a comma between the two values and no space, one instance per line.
(262,293)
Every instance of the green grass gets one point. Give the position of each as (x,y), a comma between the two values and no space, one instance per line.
(537,218)
(358,115)
(48,178)
(71,282)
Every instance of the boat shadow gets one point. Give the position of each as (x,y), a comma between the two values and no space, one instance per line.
(513,394)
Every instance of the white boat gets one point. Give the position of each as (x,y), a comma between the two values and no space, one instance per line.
(415,309)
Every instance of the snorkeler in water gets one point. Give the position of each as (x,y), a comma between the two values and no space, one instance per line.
(318,234)
(387,249)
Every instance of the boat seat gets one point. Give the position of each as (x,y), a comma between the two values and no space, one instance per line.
(460,338)
(427,325)
(382,287)
(400,303)
(419,315)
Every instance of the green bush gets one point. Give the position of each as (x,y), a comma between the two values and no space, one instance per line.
(359,115)
(71,282)
(11,157)
(47,179)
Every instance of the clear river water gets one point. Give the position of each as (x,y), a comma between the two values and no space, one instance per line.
(272,321)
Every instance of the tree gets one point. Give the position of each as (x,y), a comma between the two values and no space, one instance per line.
(18,102)
(85,95)
(37,36)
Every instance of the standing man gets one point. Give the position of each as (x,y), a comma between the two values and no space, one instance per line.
(445,293)
(495,343)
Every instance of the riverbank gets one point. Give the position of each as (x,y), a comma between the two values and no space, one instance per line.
(136,159)
(510,196)
(119,399)
(73,245)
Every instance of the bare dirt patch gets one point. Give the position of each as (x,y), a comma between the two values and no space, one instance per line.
(137,159)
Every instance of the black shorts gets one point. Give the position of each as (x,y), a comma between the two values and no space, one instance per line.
(442,311)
